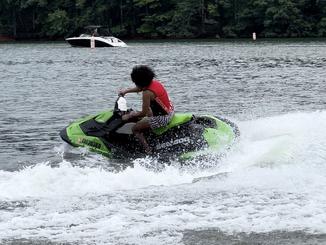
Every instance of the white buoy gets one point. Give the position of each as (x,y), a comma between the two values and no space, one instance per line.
(92,42)
(254,36)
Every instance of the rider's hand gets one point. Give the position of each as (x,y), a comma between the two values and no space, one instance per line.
(126,117)
(121,93)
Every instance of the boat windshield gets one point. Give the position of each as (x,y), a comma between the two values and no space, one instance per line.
(97,31)
(85,35)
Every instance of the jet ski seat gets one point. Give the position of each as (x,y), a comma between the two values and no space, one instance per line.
(178,119)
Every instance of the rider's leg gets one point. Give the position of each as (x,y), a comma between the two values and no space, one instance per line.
(138,130)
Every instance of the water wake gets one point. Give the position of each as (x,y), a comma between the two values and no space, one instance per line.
(281,147)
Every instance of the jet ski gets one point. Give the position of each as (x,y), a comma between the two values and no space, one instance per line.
(184,137)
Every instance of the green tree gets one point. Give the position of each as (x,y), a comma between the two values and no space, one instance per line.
(153,16)
(251,18)
(57,23)
(321,26)
(185,19)
(284,19)
(165,18)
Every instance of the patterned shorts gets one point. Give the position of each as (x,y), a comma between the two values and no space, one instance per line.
(160,121)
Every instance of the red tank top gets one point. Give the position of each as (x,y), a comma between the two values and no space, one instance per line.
(161,98)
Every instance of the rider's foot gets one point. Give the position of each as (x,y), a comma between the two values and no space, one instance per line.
(148,151)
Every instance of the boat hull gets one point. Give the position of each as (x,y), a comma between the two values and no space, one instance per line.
(98,41)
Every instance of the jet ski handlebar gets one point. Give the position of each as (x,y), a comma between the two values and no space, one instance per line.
(120,107)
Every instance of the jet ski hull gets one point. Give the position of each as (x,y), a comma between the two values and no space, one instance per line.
(183,137)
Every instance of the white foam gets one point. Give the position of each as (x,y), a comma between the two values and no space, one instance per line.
(44,181)
(276,180)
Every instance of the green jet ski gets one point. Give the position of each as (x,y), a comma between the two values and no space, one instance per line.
(184,137)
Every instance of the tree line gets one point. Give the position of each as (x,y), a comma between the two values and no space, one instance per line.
(164,18)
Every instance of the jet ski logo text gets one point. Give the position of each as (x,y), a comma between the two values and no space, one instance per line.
(89,143)
(185,140)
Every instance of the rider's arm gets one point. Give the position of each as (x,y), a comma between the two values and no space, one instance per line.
(146,109)
(130,90)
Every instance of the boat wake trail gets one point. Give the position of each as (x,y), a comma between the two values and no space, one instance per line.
(292,139)
(273,179)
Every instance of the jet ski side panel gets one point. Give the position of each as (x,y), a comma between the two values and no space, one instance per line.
(67,133)
(179,139)
(103,116)
(75,135)
(221,136)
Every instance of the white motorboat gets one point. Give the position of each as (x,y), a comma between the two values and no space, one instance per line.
(95,36)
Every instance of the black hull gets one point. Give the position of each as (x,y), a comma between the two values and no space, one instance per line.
(184,138)
(87,43)
(170,144)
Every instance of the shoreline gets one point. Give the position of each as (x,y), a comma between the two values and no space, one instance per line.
(8,39)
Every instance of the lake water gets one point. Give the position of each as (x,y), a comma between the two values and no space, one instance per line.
(269,189)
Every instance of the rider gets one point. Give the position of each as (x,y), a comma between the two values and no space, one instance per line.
(157,109)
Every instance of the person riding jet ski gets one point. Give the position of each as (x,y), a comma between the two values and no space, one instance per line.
(118,133)
(157,109)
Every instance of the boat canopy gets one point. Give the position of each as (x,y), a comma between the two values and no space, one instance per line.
(97,30)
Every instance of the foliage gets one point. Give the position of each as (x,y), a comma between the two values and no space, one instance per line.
(165,18)
(57,23)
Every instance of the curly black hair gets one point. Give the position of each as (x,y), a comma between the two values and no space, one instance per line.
(142,75)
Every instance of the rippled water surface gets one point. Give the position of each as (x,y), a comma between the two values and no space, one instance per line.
(269,187)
